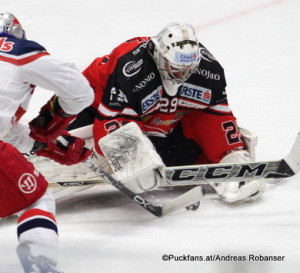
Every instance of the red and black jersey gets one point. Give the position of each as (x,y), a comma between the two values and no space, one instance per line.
(128,87)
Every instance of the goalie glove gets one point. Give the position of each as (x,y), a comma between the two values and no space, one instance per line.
(239,192)
(66,150)
(50,123)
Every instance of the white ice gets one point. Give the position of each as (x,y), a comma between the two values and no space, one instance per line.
(257,42)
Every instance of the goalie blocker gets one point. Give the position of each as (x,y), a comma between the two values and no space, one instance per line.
(133,159)
(136,163)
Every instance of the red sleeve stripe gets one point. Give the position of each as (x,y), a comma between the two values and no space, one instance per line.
(22,60)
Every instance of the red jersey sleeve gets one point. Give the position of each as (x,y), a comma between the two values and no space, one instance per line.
(101,76)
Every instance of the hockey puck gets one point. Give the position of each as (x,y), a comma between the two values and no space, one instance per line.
(193,206)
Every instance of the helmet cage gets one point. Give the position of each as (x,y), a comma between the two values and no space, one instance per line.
(176,52)
(174,71)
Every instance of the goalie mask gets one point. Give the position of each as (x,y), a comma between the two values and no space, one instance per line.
(9,24)
(175,51)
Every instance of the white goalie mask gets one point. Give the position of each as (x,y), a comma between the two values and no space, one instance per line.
(176,54)
(9,24)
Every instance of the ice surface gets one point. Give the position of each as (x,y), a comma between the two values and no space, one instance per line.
(257,42)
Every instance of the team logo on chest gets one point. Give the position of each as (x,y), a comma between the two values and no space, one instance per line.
(5,46)
(196,93)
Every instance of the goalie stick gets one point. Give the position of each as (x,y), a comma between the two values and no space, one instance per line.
(185,200)
(203,174)
(198,175)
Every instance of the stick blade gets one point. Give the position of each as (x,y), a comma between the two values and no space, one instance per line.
(187,199)
(293,158)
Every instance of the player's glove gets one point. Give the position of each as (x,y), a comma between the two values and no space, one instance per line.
(66,150)
(50,123)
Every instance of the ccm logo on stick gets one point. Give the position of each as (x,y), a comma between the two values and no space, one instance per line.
(218,172)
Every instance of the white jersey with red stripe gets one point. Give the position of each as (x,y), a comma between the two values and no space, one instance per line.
(25,64)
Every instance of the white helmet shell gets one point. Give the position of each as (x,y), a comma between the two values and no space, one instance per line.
(176,54)
(9,24)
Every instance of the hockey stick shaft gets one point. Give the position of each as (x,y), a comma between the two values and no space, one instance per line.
(199,174)
(203,174)
(155,210)
(184,200)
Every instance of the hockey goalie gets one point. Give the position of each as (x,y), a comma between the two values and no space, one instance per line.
(161,101)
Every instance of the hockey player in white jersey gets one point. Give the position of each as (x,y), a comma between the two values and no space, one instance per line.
(25,64)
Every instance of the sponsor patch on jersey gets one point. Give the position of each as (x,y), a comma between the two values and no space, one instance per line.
(186,57)
(152,99)
(161,121)
(196,93)
(142,84)
(206,55)
(138,50)
(132,68)
(207,74)
(117,96)
(189,104)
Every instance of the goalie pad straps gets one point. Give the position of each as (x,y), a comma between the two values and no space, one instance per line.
(133,158)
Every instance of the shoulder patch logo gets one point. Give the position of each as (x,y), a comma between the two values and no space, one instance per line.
(5,46)
(206,55)
(132,68)
(117,96)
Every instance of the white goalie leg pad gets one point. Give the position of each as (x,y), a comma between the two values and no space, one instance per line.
(232,192)
(133,158)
